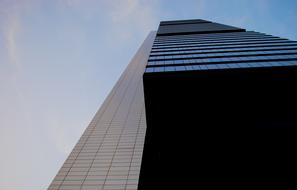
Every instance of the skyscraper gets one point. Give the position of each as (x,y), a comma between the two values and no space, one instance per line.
(201,103)
(108,155)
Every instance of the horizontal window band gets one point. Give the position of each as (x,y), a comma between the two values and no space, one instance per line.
(210,35)
(217,38)
(213,38)
(222,62)
(156,45)
(226,51)
(227,56)
(190,37)
(224,43)
(226,46)
(220,66)
(183,23)
(220,41)
(191,30)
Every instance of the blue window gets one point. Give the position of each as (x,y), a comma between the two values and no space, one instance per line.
(250,58)
(232,59)
(189,67)
(275,64)
(223,59)
(281,63)
(167,62)
(159,69)
(243,65)
(178,61)
(167,69)
(198,55)
(149,70)
(212,66)
(203,67)
(160,62)
(186,61)
(252,65)
(232,65)
(292,62)
(266,64)
(151,63)
(206,60)
(222,66)
(292,56)
(192,60)
(196,67)
(180,68)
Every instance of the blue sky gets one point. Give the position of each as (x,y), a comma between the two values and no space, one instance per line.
(60,58)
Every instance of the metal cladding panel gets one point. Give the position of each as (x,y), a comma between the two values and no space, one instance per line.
(108,154)
(195,28)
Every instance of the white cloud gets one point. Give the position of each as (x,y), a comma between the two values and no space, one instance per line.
(11,33)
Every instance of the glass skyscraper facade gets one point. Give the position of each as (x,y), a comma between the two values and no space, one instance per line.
(220,104)
(201,103)
(174,52)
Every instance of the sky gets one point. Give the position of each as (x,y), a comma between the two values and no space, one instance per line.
(60,58)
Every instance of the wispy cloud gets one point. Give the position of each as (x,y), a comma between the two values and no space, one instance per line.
(10,28)
(11,33)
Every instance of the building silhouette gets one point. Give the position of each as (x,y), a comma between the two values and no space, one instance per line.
(200,104)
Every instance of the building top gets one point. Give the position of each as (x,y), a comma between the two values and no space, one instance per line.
(196,26)
(195,45)
(192,21)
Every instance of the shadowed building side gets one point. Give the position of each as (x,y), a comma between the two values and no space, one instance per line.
(220,107)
